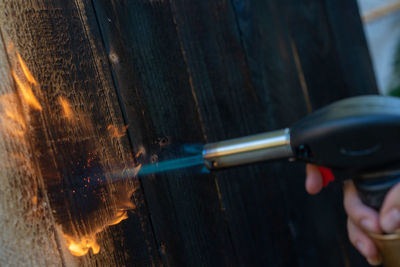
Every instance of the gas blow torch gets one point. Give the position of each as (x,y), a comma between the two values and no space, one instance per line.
(356,138)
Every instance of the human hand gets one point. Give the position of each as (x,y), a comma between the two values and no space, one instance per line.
(361,218)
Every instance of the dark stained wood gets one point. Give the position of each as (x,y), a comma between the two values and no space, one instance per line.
(333,49)
(352,53)
(154,85)
(330,43)
(236,98)
(230,69)
(258,31)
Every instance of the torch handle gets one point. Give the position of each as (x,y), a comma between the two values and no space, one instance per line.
(372,190)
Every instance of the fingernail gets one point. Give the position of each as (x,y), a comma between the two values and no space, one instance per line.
(368,225)
(374,261)
(391,221)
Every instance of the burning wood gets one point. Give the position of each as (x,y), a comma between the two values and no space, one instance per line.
(116,132)
(80,246)
(24,87)
(84,200)
(12,121)
(68,113)
(28,74)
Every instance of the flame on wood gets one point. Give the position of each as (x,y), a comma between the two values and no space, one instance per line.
(28,74)
(27,93)
(15,113)
(80,246)
(66,108)
(115,131)
(12,122)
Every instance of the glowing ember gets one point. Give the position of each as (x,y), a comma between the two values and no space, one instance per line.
(34,200)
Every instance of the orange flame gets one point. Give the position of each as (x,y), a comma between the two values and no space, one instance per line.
(16,117)
(68,113)
(28,74)
(14,121)
(27,93)
(81,246)
(115,132)
(122,215)
(11,120)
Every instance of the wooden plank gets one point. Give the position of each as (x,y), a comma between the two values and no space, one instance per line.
(154,86)
(331,48)
(352,51)
(268,46)
(236,98)
(326,55)
(303,213)
(239,69)
(71,127)
(26,222)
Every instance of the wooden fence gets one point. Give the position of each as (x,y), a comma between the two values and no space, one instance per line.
(176,72)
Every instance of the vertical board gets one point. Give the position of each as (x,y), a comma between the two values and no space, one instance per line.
(193,71)
(208,70)
(328,42)
(154,85)
(234,100)
(76,130)
(26,221)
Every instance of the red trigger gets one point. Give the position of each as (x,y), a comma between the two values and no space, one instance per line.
(327,175)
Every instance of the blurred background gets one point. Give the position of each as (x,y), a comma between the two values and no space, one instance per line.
(382,28)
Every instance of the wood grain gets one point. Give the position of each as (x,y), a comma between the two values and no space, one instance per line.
(236,99)
(154,86)
(178,74)
(61,46)
(332,49)
(247,73)
(209,70)
(26,222)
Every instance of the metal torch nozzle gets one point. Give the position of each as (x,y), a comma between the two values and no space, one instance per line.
(249,149)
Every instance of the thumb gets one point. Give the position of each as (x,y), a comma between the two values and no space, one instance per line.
(389,217)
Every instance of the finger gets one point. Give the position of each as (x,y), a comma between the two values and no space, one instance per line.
(363,216)
(363,243)
(313,179)
(390,212)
